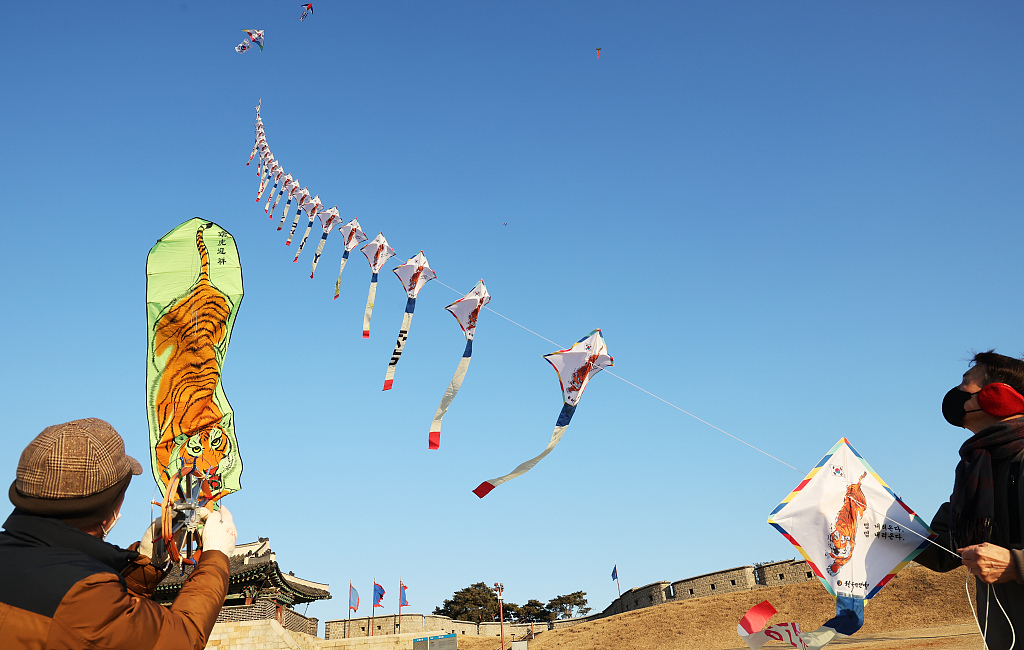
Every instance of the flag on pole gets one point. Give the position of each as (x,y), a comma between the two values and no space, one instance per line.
(402,600)
(378,595)
(615,572)
(353,598)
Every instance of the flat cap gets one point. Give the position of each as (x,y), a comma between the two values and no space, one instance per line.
(72,468)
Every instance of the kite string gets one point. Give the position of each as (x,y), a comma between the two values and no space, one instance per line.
(681,410)
(737,439)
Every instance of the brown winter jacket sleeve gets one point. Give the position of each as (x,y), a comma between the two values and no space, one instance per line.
(99,612)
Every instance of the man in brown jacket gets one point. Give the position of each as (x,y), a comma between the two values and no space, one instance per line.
(62,586)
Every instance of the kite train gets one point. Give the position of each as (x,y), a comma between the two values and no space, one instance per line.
(578,364)
(377,254)
(413,275)
(193,290)
(466,310)
(254,36)
(854,532)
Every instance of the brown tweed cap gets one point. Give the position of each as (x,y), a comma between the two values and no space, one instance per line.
(73,469)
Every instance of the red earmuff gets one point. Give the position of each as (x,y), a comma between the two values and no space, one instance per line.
(1001,400)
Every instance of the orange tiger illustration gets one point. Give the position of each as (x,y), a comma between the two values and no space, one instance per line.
(580,375)
(415,278)
(473,315)
(189,418)
(844,531)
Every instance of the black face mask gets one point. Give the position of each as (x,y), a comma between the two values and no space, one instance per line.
(953,406)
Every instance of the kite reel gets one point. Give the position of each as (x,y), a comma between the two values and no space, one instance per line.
(187,491)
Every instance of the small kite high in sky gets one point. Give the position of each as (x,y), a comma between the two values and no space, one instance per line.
(328,220)
(413,275)
(466,310)
(598,52)
(353,236)
(255,36)
(575,367)
(377,253)
(307,8)
(854,532)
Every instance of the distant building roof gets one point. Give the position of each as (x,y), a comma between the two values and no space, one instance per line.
(255,574)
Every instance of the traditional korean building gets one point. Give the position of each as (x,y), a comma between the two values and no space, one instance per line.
(259,589)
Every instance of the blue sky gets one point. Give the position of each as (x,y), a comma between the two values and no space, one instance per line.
(794,220)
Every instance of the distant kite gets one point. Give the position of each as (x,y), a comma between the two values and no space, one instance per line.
(328,220)
(255,36)
(413,274)
(307,9)
(598,52)
(466,310)
(575,367)
(353,236)
(377,253)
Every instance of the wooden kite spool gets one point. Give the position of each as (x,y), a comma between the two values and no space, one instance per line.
(187,491)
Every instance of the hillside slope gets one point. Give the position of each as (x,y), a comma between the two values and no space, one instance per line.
(916,598)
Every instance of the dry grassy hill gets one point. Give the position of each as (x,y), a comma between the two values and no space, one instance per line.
(917,598)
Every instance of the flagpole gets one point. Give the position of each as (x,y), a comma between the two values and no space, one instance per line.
(373,605)
(400,606)
(617,579)
(348,630)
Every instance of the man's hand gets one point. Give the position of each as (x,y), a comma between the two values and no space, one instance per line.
(989,562)
(219,532)
(152,545)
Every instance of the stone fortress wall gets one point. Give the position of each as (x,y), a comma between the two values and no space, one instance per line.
(743,578)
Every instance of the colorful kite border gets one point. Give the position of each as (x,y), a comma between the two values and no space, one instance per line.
(814,472)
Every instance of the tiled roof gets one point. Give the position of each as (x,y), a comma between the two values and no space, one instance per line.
(254,562)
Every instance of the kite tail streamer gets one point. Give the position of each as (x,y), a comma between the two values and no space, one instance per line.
(403,334)
(316,255)
(369,306)
(276,201)
(253,154)
(270,195)
(563,421)
(295,224)
(264,179)
(305,236)
(434,438)
(284,215)
(337,285)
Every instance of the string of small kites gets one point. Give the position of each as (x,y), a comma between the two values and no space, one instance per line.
(574,366)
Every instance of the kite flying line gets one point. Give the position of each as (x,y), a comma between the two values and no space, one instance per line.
(699,419)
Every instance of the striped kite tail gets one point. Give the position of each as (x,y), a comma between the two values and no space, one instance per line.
(369,306)
(337,285)
(564,417)
(403,335)
(434,438)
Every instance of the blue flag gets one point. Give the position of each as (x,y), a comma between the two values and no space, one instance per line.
(353,598)
(378,595)
(402,600)
(615,572)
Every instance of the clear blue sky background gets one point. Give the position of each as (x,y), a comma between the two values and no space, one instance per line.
(795,220)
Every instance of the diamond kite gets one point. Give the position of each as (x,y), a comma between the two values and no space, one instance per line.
(413,275)
(377,253)
(854,532)
(353,236)
(578,364)
(466,310)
